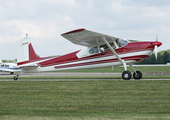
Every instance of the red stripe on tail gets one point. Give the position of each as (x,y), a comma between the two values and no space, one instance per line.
(32,54)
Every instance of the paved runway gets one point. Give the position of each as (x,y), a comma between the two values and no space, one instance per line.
(75,79)
(66,74)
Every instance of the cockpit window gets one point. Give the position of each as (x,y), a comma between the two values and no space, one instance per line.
(6,65)
(94,50)
(103,48)
(121,42)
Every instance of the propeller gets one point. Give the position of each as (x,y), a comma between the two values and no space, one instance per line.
(156,52)
(155,49)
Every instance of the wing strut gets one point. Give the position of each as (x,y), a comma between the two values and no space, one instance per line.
(114,52)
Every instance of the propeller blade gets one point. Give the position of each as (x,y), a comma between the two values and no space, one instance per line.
(156,52)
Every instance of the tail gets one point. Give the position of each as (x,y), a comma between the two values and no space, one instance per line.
(25,51)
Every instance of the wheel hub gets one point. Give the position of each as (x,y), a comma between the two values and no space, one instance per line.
(126,75)
(137,75)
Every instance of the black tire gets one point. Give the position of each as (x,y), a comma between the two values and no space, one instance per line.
(11,73)
(15,77)
(138,75)
(126,75)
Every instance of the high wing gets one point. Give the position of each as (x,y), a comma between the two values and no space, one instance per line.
(87,38)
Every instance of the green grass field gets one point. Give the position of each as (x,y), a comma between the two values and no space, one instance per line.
(86,100)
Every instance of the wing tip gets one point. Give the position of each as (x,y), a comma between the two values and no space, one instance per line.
(74,31)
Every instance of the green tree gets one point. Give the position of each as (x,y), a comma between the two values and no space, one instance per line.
(166,57)
(9,61)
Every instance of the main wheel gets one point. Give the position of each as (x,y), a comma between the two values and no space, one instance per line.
(126,75)
(138,75)
(15,77)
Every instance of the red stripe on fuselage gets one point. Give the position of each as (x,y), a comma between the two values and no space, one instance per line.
(137,58)
(65,58)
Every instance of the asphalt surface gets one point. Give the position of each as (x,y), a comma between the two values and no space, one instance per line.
(58,74)
(74,79)
(65,74)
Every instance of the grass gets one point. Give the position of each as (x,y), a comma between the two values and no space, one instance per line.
(87,100)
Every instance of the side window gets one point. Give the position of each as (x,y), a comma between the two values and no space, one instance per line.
(2,65)
(94,50)
(104,48)
(6,65)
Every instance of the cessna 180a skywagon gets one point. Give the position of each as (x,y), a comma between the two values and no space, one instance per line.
(101,51)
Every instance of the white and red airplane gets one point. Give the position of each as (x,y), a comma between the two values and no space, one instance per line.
(8,68)
(101,51)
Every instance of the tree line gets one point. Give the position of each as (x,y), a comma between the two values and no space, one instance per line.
(163,58)
(9,61)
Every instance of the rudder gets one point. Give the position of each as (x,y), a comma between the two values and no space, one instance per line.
(25,50)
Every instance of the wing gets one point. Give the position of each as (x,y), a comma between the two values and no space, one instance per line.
(87,38)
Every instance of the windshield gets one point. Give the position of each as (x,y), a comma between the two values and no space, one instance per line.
(123,42)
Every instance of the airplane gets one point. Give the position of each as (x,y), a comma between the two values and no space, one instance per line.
(7,67)
(100,50)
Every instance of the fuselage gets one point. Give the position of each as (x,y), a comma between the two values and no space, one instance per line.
(83,59)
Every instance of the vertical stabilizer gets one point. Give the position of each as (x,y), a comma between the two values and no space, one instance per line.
(25,51)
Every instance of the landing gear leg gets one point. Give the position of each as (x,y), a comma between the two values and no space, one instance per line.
(136,74)
(16,77)
(126,75)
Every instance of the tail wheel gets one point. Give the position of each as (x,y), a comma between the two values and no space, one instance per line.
(126,75)
(137,75)
(16,77)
